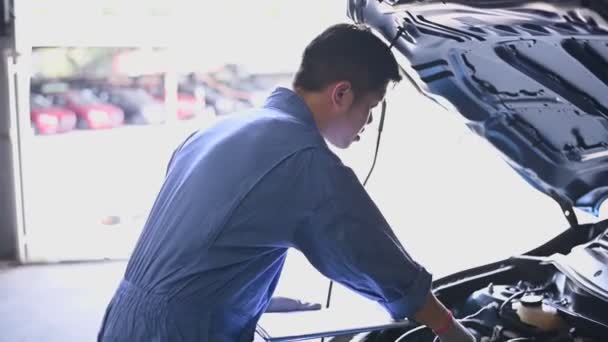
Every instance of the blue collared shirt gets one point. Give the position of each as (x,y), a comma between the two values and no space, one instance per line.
(235,198)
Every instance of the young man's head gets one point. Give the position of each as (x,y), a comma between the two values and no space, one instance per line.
(344,74)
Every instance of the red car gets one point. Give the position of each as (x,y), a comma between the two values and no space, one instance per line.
(187,105)
(49,119)
(91,112)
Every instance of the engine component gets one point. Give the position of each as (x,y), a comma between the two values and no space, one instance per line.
(531,310)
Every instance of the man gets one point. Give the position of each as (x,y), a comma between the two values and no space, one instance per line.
(239,194)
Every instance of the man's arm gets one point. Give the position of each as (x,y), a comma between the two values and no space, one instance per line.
(348,240)
(433,314)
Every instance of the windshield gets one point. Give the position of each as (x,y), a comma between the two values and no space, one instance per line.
(138,96)
(85,98)
(39,101)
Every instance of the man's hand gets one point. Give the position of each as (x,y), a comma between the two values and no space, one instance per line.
(437,317)
(456,333)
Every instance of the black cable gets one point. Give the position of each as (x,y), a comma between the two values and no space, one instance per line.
(331,285)
(380,128)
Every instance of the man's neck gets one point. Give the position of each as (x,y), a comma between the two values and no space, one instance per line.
(315,106)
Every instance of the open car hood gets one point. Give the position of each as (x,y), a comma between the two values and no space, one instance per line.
(530,77)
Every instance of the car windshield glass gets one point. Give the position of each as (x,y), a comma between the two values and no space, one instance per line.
(86,98)
(139,96)
(39,101)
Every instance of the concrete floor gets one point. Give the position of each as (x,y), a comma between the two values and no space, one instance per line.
(55,303)
(65,302)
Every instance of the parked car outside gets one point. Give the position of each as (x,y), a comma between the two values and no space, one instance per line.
(49,119)
(188,106)
(138,106)
(92,113)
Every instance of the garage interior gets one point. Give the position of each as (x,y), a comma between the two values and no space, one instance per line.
(72,204)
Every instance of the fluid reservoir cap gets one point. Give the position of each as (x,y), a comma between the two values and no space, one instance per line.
(532,301)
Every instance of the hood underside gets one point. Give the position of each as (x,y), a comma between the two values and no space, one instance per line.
(530,77)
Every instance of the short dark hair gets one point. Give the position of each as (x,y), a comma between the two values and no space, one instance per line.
(347,52)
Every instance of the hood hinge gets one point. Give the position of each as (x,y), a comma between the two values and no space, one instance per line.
(567,209)
(569,214)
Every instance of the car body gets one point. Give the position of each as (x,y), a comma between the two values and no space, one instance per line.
(220,104)
(231,89)
(49,119)
(188,105)
(92,113)
(138,106)
(531,78)
(252,89)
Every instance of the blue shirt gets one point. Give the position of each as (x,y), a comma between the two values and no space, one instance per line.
(235,198)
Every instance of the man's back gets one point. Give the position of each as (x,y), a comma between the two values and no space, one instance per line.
(186,264)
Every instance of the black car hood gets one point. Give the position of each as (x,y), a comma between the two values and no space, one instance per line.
(530,77)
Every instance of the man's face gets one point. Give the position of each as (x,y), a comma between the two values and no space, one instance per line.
(362,112)
(352,117)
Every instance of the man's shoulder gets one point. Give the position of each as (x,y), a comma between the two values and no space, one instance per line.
(260,115)
(323,159)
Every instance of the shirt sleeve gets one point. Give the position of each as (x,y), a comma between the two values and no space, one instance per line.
(348,240)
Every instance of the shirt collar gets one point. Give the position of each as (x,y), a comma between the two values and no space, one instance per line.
(288,101)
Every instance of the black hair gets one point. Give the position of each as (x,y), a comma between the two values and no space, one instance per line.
(347,52)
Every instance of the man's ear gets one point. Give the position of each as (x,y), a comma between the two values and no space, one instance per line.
(342,94)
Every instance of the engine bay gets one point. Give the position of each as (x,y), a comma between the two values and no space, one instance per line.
(529,311)
(556,297)
(533,312)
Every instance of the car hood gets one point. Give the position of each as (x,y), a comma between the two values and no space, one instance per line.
(54,111)
(529,77)
(99,106)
